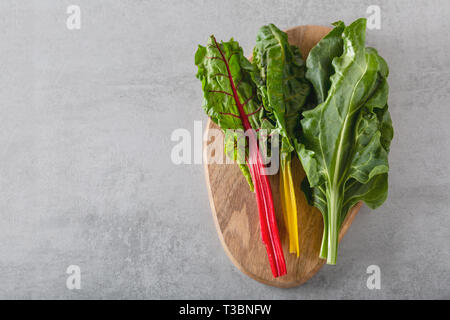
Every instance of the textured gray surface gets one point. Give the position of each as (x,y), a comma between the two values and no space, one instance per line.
(85,170)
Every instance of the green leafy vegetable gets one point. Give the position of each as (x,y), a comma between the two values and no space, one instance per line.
(230,100)
(283,88)
(345,139)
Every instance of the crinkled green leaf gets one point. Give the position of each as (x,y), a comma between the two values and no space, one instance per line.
(281,82)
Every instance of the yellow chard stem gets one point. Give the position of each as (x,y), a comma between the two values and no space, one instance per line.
(289,206)
(284,205)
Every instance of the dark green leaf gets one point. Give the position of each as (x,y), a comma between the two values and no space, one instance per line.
(281,82)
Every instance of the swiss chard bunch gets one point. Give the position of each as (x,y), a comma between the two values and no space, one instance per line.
(230,100)
(345,139)
(341,136)
(283,89)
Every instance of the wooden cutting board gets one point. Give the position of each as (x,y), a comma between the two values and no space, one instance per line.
(236,215)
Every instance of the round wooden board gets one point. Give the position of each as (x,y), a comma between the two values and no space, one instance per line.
(236,215)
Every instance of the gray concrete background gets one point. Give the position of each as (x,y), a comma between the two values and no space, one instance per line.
(85,170)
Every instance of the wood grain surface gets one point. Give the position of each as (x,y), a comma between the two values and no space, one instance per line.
(235,212)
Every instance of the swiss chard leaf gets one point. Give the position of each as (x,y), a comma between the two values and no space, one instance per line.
(345,139)
(283,88)
(319,67)
(219,102)
(281,82)
(230,100)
